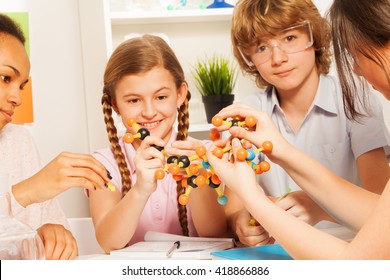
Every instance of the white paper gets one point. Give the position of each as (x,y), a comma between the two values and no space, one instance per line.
(156,246)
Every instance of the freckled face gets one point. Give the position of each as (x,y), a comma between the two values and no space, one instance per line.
(14,73)
(288,72)
(152,98)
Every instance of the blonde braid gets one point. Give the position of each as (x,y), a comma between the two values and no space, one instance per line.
(182,128)
(115,147)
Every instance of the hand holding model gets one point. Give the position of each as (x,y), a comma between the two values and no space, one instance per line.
(264,130)
(67,170)
(147,160)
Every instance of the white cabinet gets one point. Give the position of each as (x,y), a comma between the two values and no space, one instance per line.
(192,34)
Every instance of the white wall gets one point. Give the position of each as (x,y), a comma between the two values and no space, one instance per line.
(58,85)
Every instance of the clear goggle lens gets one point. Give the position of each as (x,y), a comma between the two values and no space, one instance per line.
(290,40)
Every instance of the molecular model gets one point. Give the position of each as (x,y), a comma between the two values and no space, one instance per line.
(242,154)
(201,174)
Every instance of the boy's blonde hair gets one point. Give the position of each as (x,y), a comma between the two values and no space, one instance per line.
(255,18)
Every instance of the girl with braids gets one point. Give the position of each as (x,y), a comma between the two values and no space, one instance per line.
(143,79)
(361,34)
(285,46)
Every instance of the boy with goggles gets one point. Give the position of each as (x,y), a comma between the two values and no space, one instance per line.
(285,46)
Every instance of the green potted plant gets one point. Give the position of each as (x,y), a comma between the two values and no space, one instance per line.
(215,79)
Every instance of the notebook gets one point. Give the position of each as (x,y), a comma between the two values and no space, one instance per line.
(157,244)
(266,252)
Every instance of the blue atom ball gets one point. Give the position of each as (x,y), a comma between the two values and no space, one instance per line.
(222,199)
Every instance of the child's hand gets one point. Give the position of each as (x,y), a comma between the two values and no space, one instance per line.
(58,242)
(67,170)
(237,175)
(184,148)
(300,205)
(147,160)
(265,129)
(250,235)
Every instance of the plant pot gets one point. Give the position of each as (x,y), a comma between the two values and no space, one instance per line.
(214,103)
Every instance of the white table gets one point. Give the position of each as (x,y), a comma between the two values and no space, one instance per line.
(336,230)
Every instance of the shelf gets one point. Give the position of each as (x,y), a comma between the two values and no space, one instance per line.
(175,16)
(200,127)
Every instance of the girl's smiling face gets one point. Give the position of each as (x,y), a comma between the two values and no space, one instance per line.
(152,98)
(14,73)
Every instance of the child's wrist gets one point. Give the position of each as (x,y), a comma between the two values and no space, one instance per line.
(22,193)
(280,152)
(140,192)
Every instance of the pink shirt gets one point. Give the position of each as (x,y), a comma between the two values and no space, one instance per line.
(160,212)
(19,160)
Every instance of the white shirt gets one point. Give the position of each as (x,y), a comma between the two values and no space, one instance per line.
(19,160)
(326,134)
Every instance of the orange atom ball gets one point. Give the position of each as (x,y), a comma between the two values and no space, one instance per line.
(177,177)
(214,134)
(207,174)
(267,146)
(174,169)
(264,166)
(194,168)
(184,199)
(218,152)
(258,169)
(215,179)
(250,121)
(200,151)
(159,174)
(128,138)
(216,120)
(241,154)
(131,121)
(200,181)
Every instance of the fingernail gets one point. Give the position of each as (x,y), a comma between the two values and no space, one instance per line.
(108,174)
(235,142)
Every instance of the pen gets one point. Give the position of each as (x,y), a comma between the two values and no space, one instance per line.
(176,245)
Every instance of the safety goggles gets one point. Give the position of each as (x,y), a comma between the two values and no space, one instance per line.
(290,40)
